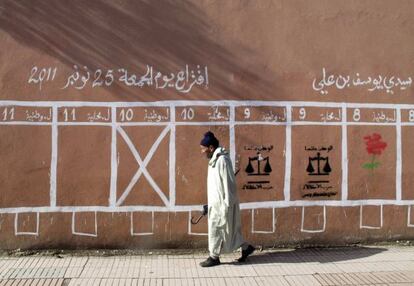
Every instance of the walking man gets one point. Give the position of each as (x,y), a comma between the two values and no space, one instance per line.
(224,227)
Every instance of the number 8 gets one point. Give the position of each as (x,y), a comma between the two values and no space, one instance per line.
(411,115)
(357,114)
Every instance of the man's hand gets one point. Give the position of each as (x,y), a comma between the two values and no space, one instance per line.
(203,213)
(205,209)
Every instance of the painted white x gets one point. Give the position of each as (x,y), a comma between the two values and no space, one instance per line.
(142,166)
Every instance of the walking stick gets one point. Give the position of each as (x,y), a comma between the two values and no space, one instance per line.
(203,213)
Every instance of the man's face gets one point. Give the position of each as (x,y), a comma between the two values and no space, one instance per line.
(208,151)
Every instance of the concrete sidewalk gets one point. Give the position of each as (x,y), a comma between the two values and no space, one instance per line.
(374,265)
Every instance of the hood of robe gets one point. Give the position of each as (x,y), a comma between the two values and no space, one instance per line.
(220,151)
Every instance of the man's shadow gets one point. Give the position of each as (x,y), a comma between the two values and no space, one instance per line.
(300,255)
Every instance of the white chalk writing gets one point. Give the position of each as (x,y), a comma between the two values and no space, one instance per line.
(330,116)
(182,81)
(216,114)
(96,116)
(36,116)
(270,116)
(37,75)
(379,82)
(381,117)
(153,116)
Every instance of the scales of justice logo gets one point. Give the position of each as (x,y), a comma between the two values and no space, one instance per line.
(258,169)
(318,165)
(326,170)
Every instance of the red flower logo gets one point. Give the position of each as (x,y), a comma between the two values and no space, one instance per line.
(374,144)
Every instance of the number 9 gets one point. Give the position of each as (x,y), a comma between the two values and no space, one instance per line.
(246,113)
(302,113)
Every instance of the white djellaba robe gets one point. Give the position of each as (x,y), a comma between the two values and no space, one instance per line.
(224,226)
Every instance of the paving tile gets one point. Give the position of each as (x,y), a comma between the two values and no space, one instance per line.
(272,280)
(368,267)
(404,265)
(393,277)
(361,278)
(239,281)
(409,274)
(340,279)
(32,282)
(8,282)
(302,280)
(341,266)
(269,270)
(324,279)
(297,269)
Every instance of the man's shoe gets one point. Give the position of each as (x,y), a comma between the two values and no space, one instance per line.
(249,250)
(210,261)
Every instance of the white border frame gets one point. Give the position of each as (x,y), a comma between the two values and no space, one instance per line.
(74,232)
(409,224)
(302,229)
(16,225)
(264,231)
(142,233)
(231,122)
(190,231)
(361,225)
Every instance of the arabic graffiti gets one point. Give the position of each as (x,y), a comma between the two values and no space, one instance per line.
(325,114)
(182,81)
(96,116)
(330,116)
(379,82)
(36,116)
(381,117)
(259,148)
(322,148)
(261,113)
(374,146)
(153,116)
(319,194)
(318,165)
(270,116)
(216,114)
(28,114)
(256,168)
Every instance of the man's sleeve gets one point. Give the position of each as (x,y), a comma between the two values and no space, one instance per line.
(226,179)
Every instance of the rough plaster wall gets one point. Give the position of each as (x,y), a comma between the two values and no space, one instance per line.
(314,100)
